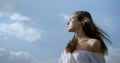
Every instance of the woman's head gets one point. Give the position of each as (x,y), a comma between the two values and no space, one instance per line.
(82,20)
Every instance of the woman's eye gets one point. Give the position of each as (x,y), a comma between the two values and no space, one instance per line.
(70,19)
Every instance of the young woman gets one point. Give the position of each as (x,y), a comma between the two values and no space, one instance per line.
(87,45)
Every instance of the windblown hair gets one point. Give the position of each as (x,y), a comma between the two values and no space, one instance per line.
(91,30)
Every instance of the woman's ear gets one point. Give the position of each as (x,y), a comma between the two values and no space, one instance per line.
(80,23)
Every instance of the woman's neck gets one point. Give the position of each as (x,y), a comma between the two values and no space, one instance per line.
(80,34)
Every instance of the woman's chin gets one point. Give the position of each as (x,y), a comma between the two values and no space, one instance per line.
(70,30)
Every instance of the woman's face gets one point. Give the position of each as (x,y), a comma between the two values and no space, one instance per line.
(73,23)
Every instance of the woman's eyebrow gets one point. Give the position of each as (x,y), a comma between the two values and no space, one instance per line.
(73,17)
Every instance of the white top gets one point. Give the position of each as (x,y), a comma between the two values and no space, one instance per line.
(81,56)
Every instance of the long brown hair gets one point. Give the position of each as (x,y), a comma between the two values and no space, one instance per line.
(90,29)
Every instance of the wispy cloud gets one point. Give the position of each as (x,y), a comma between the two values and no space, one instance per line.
(65,16)
(113,56)
(53,60)
(17,28)
(16,57)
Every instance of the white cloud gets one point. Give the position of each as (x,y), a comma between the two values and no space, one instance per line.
(20,31)
(19,17)
(113,56)
(65,16)
(14,16)
(16,57)
(17,27)
(53,60)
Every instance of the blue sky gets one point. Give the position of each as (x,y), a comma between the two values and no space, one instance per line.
(34,31)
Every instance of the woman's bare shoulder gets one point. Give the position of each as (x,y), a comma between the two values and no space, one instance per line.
(94,42)
(95,45)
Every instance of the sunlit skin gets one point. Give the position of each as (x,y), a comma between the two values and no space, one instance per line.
(84,42)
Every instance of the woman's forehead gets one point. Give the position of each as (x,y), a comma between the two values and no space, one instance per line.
(73,16)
